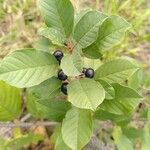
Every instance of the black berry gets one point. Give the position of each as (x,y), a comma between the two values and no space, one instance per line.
(62,76)
(89,73)
(64,88)
(58,55)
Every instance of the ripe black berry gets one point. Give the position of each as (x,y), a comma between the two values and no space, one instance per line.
(89,73)
(64,88)
(58,55)
(62,76)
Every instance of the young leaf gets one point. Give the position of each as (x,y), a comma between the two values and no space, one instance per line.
(121,120)
(28,67)
(54,35)
(111,32)
(116,70)
(10,102)
(60,145)
(110,92)
(22,141)
(77,128)
(51,109)
(85,32)
(121,141)
(50,88)
(86,93)
(125,101)
(72,65)
(43,44)
(58,14)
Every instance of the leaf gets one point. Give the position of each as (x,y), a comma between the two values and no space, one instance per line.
(55,134)
(121,120)
(146,138)
(58,14)
(85,32)
(77,128)
(79,15)
(92,54)
(121,141)
(92,63)
(72,65)
(125,101)
(60,145)
(10,102)
(54,35)
(43,44)
(86,93)
(132,133)
(147,82)
(28,67)
(116,70)
(50,88)
(24,140)
(51,109)
(110,92)
(111,31)
(2,144)
(136,80)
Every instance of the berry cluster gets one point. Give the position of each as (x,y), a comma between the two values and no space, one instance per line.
(87,72)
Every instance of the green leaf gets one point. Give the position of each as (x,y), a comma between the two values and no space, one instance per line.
(10,102)
(77,128)
(54,35)
(86,30)
(110,92)
(125,101)
(28,67)
(86,93)
(50,88)
(51,109)
(136,80)
(80,14)
(92,54)
(43,44)
(121,141)
(132,133)
(121,120)
(72,65)
(147,82)
(110,34)
(58,14)
(2,144)
(60,145)
(146,138)
(116,70)
(24,140)
(92,63)
(56,133)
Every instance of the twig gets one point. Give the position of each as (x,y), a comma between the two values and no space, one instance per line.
(27,124)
